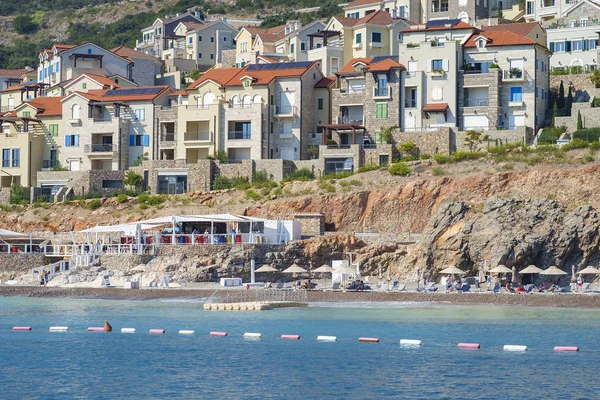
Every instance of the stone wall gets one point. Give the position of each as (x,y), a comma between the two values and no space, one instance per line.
(520,135)
(83,182)
(316,166)
(429,142)
(590,117)
(199,176)
(242,169)
(227,59)
(5,195)
(124,262)
(584,88)
(11,264)
(312,224)
(372,155)
(274,168)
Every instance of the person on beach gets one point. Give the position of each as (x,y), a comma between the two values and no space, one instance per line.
(46,278)
(580,284)
(448,284)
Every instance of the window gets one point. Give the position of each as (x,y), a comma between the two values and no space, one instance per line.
(437,65)
(199,55)
(592,44)
(224,38)
(543,94)
(358,38)
(71,140)
(199,38)
(559,47)
(140,114)
(139,140)
(246,83)
(212,39)
(376,37)
(320,104)
(84,85)
(26,114)
(212,56)
(6,158)
(16,158)
(302,46)
(543,66)
(53,129)
(381,111)
(536,92)
(516,93)
(536,64)
(75,111)
(481,44)
(437,94)
(583,22)
(577,45)
(89,51)
(292,48)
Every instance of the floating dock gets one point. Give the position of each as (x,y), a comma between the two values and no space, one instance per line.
(252,306)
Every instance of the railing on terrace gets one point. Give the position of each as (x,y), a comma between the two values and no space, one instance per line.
(382,92)
(167,137)
(410,103)
(100,148)
(477,103)
(339,146)
(49,164)
(285,110)
(240,105)
(102,119)
(197,136)
(239,135)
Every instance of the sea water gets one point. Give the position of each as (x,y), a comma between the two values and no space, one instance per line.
(97,365)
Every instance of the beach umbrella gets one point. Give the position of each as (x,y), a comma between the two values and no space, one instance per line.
(514,274)
(267,268)
(324,269)
(295,269)
(501,269)
(553,271)
(452,270)
(589,270)
(531,269)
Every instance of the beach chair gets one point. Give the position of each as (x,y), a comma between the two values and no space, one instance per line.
(336,286)
(268,285)
(280,285)
(397,287)
(587,287)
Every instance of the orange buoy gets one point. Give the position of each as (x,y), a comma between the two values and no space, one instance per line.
(107,327)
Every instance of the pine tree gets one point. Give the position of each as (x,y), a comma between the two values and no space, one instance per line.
(569,104)
(561,96)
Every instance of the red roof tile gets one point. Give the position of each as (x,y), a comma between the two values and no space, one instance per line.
(357,3)
(218,75)
(437,107)
(385,65)
(376,18)
(130,53)
(47,106)
(349,67)
(268,60)
(325,82)
(345,21)
(100,95)
(228,77)
(500,38)
(423,27)
(103,80)
(522,28)
(13,72)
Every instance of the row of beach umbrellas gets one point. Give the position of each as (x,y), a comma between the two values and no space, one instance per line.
(531,269)
(296,269)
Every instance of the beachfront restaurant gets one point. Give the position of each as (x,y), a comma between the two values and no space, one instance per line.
(213,229)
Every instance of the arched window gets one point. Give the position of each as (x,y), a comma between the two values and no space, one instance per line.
(208,98)
(256,99)
(236,100)
(247,101)
(75,111)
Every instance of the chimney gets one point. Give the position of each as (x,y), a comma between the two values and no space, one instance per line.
(198,15)
(297,25)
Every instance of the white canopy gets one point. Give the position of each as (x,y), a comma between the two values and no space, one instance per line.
(10,234)
(553,271)
(452,270)
(501,269)
(128,229)
(200,218)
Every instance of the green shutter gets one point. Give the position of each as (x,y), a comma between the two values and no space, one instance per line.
(53,130)
(358,38)
(26,114)
(319,104)
(381,111)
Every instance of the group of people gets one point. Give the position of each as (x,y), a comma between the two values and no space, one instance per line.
(44,278)
(458,285)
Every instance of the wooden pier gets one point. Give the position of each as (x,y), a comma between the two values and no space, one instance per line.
(252,306)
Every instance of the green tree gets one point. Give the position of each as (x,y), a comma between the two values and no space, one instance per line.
(579,121)
(561,96)
(24,25)
(554,114)
(569,104)
(138,161)
(133,179)
(595,77)
(473,138)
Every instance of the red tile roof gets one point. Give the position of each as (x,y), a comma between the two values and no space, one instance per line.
(437,107)
(47,106)
(523,28)
(218,75)
(254,30)
(376,18)
(385,65)
(227,77)
(357,3)
(13,72)
(345,21)
(100,95)
(130,53)
(192,25)
(423,27)
(268,60)
(325,82)
(103,80)
(500,38)
(181,92)
(349,67)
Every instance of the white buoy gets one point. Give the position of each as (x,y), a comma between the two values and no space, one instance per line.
(186,332)
(127,330)
(59,328)
(251,335)
(410,342)
(327,338)
(513,347)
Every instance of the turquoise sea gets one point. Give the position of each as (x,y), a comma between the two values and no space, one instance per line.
(97,365)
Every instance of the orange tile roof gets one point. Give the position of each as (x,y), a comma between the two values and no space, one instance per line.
(254,30)
(192,25)
(129,53)
(376,18)
(423,27)
(346,21)
(522,28)
(268,60)
(218,75)
(100,95)
(228,77)
(349,67)
(325,82)
(357,3)
(437,107)
(181,92)
(103,80)
(13,72)
(385,65)
(47,106)
(500,38)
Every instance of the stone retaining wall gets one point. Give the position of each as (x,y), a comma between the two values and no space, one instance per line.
(124,262)
(83,182)
(20,263)
(242,169)
(520,135)
(590,117)
(429,142)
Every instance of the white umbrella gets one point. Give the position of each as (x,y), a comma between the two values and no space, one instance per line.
(10,234)
(553,271)
(531,269)
(295,269)
(324,269)
(452,270)
(267,268)
(589,270)
(501,269)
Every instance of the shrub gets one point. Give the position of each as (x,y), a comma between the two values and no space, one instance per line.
(252,195)
(596,102)
(369,167)
(327,187)
(17,195)
(302,174)
(24,25)
(338,175)
(220,182)
(400,169)
(156,200)
(551,135)
(143,198)
(438,171)
(594,146)
(133,179)
(575,144)
(425,156)
(467,155)
(122,198)
(589,135)
(95,204)
(355,182)
(587,159)
(441,158)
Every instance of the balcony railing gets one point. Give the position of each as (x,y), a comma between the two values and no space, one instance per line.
(382,92)
(167,137)
(46,164)
(285,110)
(240,105)
(100,148)
(102,119)
(477,103)
(239,135)
(197,136)
(515,75)
(351,120)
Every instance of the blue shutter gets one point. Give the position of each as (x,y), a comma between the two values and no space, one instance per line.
(146,140)
(67,140)
(552,47)
(131,140)
(76,140)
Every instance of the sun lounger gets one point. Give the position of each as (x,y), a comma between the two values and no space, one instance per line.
(280,285)
(268,285)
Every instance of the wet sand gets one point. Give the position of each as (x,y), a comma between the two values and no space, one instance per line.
(529,300)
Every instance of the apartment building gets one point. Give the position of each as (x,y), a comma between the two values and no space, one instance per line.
(15,95)
(432,53)
(155,38)
(572,12)
(377,34)
(474,11)
(31,135)
(144,67)
(406,9)
(110,129)
(198,45)
(88,82)
(260,111)
(504,79)
(246,50)
(574,47)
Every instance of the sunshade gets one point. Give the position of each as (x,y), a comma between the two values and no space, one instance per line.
(589,270)
(532,269)
(553,271)
(295,269)
(128,229)
(324,269)
(501,269)
(7,233)
(452,270)
(267,268)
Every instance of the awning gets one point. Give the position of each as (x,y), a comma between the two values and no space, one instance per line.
(128,229)
(436,107)
(342,127)
(4,233)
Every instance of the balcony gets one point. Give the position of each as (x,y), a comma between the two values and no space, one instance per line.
(515,103)
(49,164)
(410,103)
(239,135)
(515,75)
(376,45)
(100,150)
(202,136)
(477,102)
(101,120)
(382,93)
(167,140)
(351,120)
(284,111)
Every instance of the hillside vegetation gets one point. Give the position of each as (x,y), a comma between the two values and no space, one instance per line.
(112,23)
